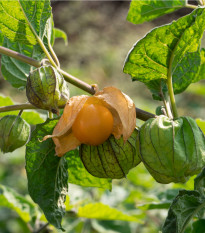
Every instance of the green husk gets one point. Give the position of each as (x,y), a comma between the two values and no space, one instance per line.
(47,89)
(14,133)
(172,150)
(112,159)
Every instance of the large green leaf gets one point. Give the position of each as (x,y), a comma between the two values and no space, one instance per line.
(11,199)
(47,174)
(102,211)
(146,10)
(80,176)
(184,207)
(19,18)
(171,48)
(32,117)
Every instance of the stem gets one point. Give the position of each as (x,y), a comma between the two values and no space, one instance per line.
(166,105)
(140,114)
(170,86)
(16,107)
(41,228)
(143,115)
(19,56)
(50,114)
(53,54)
(191,6)
(77,82)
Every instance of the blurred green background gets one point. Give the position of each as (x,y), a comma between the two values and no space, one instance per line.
(99,38)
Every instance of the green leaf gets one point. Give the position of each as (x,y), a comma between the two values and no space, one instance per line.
(80,176)
(32,117)
(146,10)
(15,71)
(61,34)
(47,174)
(104,212)
(19,18)
(184,207)
(172,47)
(199,226)
(11,199)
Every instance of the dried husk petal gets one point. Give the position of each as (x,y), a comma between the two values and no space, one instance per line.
(120,105)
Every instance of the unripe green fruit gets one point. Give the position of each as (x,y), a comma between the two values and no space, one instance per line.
(172,150)
(46,89)
(14,133)
(112,159)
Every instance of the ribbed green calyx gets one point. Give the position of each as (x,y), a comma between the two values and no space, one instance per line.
(46,89)
(172,150)
(112,159)
(14,133)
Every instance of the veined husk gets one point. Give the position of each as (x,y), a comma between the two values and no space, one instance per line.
(172,150)
(119,104)
(14,133)
(112,159)
(47,89)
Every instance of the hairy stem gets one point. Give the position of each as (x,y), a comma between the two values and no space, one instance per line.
(17,107)
(53,54)
(191,6)
(19,56)
(77,82)
(140,114)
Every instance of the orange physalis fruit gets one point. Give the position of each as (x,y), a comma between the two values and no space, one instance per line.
(92,119)
(93,124)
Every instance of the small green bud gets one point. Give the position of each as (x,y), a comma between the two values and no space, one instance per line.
(47,89)
(112,159)
(14,133)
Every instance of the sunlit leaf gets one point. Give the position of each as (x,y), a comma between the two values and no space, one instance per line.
(61,34)
(174,49)
(101,211)
(19,16)
(146,10)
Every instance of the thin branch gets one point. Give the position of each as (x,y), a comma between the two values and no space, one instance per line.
(140,114)
(191,6)
(41,228)
(19,56)
(17,107)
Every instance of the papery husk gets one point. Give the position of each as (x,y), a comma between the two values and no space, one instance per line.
(120,105)
(47,89)
(172,150)
(112,159)
(14,133)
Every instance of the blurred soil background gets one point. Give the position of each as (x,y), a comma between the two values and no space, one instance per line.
(99,38)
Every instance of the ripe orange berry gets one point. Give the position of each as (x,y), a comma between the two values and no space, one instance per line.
(93,124)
